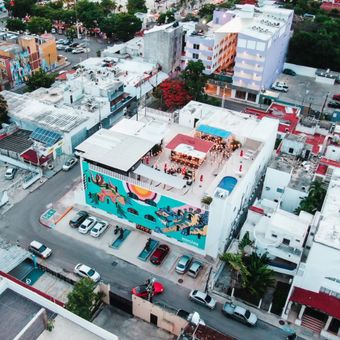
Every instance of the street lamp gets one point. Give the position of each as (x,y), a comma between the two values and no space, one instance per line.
(324,103)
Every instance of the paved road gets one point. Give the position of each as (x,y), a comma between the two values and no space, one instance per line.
(21,223)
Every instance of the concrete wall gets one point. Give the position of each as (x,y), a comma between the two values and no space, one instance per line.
(301,70)
(34,328)
(291,199)
(274,179)
(165,320)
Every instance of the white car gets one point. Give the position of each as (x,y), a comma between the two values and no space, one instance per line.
(71,162)
(202,298)
(99,228)
(280,86)
(85,271)
(61,47)
(87,225)
(39,249)
(10,173)
(79,50)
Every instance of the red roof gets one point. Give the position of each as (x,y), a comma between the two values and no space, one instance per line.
(197,143)
(62,76)
(330,162)
(328,6)
(321,169)
(315,140)
(321,301)
(32,157)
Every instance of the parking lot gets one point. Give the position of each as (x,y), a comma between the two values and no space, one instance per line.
(132,246)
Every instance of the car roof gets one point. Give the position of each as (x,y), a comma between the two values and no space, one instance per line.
(36,244)
(240,310)
(195,265)
(199,294)
(84,267)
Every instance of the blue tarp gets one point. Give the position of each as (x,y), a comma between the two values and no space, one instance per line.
(209,130)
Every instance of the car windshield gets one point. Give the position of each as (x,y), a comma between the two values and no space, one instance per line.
(42,248)
(247,314)
(91,272)
(208,299)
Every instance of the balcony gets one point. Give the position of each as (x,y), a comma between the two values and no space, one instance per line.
(248,56)
(255,68)
(283,267)
(286,253)
(121,103)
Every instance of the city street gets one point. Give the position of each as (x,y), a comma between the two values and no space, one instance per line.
(22,223)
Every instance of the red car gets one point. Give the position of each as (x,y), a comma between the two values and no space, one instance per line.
(336,97)
(142,292)
(159,254)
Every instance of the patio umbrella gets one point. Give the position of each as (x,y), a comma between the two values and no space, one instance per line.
(184,170)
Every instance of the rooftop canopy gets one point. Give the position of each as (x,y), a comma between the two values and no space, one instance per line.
(210,130)
(160,176)
(196,144)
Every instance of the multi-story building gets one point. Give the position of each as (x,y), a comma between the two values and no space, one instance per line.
(245,47)
(163,46)
(168,174)
(279,234)
(22,55)
(314,298)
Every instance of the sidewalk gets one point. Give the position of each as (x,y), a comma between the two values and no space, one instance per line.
(269,318)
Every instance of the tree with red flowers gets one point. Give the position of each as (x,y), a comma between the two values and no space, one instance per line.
(174,94)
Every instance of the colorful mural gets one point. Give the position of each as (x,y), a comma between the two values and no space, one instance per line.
(139,205)
(20,68)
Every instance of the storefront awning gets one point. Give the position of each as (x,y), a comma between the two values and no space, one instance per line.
(160,176)
(321,301)
(210,130)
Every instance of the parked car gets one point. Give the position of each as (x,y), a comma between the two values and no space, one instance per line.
(79,50)
(141,290)
(70,163)
(195,269)
(280,86)
(183,264)
(239,313)
(336,97)
(99,228)
(74,44)
(202,298)
(86,271)
(39,249)
(334,104)
(78,219)
(10,173)
(159,254)
(61,47)
(69,48)
(289,72)
(87,225)
(60,41)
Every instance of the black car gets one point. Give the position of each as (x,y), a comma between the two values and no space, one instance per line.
(334,104)
(78,219)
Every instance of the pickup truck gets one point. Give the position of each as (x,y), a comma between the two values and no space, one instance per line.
(239,313)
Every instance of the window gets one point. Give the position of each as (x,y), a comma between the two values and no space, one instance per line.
(291,150)
(252,97)
(196,46)
(280,190)
(286,241)
(240,94)
(242,43)
(251,44)
(260,46)
(274,235)
(195,55)
(298,241)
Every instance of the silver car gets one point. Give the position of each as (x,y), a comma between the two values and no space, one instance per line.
(183,264)
(99,228)
(202,298)
(195,269)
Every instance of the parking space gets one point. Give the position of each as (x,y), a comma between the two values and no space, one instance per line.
(13,186)
(132,246)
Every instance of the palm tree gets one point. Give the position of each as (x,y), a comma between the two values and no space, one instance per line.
(313,202)
(260,276)
(3,110)
(239,270)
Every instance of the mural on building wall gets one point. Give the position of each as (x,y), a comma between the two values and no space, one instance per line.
(20,68)
(139,205)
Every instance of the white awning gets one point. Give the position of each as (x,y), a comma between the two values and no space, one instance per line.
(160,176)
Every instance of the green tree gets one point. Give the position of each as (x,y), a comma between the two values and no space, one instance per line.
(245,242)
(126,25)
(260,276)
(15,25)
(38,25)
(82,299)
(107,25)
(108,6)
(21,7)
(68,16)
(89,13)
(71,33)
(3,110)
(313,202)
(134,6)
(166,18)
(40,79)
(206,11)
(194,79)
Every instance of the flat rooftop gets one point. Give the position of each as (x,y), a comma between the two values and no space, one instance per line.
(17,142)
(51,118)
(328,231)
(16,312)
(162,173)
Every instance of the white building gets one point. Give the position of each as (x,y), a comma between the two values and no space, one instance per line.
(158,183)
(279,234)
(314,298)
(287,181)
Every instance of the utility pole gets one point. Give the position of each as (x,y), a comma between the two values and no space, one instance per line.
(324,103)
